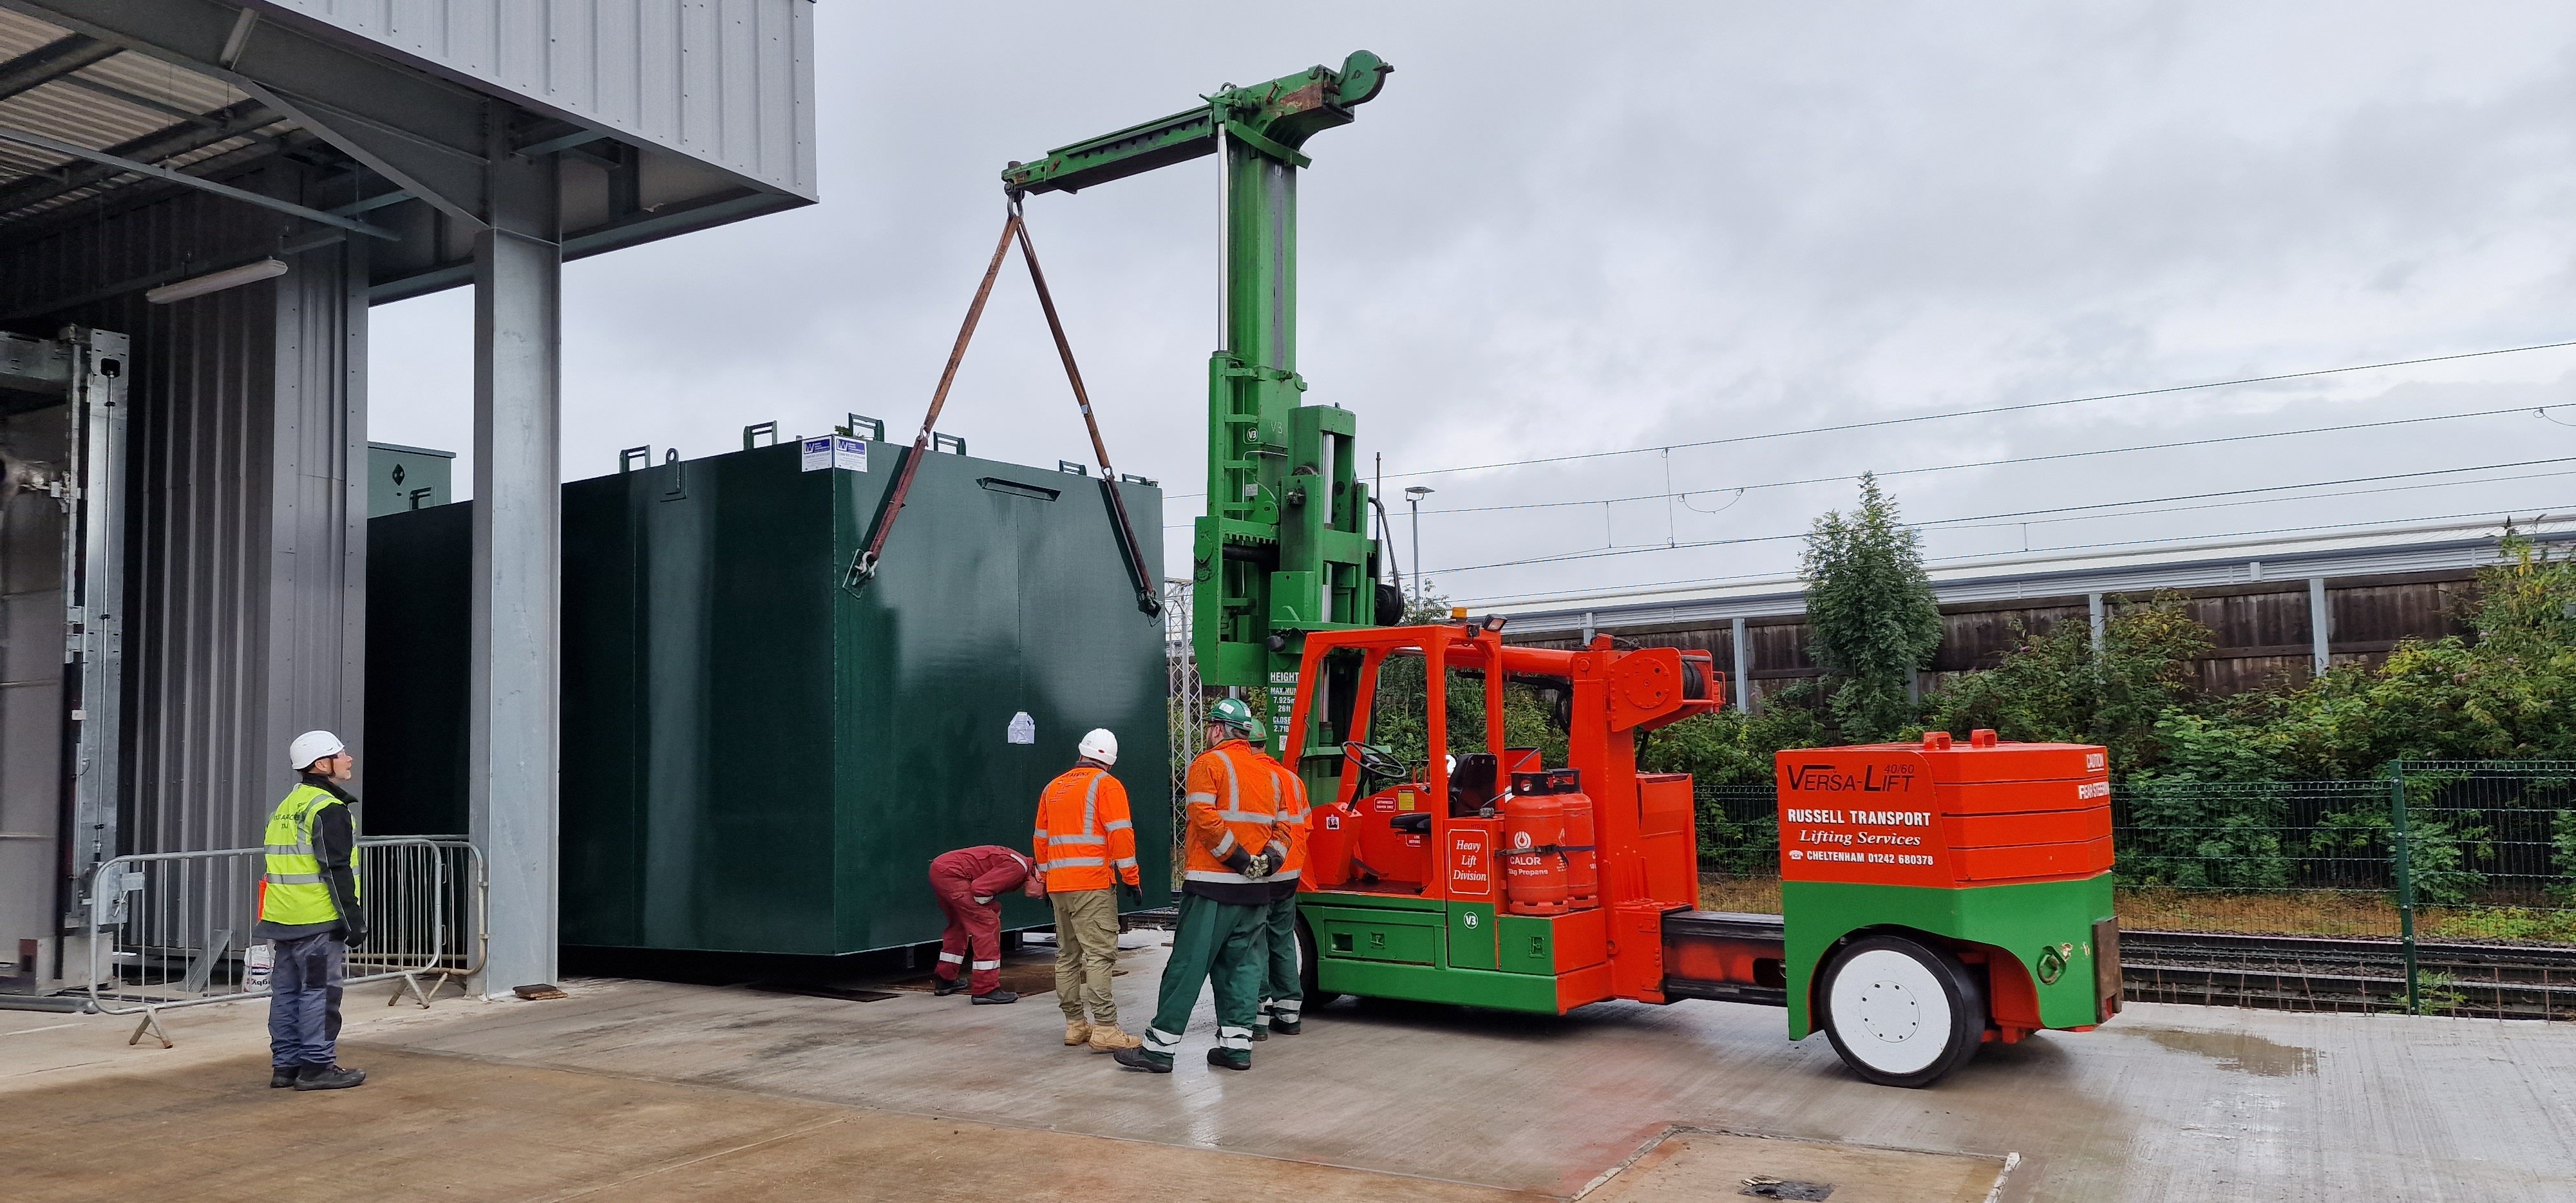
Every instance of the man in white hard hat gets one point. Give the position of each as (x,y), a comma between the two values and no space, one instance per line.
(1085,838)
(309,908)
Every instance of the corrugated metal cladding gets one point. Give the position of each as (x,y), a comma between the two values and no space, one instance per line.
(726,81)
(245,600)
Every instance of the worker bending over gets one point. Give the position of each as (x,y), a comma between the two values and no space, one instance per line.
(969,884)
(1283,995)
(309,909)
(1224,892)
(1084,837)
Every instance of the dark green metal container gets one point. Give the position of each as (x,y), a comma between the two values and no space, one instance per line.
(756,758)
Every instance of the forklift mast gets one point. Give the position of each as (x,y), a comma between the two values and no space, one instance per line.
(1284,547)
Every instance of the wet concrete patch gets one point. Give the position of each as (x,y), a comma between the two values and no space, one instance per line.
(1696,1165)
(2243,1052)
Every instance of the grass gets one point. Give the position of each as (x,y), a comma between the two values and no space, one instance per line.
(2365,915)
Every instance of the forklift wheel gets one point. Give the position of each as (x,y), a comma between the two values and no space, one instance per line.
(1315,995)
(1900,1013)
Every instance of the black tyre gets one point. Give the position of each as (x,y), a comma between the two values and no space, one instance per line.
(1901,1013)
(1316,996)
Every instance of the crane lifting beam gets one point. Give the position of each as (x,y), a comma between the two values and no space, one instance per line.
(1284,547)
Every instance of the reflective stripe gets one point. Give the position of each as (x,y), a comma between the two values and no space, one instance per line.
(1121,825)
(1076,862)
(1297,820)
(987,965)
(292,879)
(1041,833)
(1224,846)
(1286,1008)
(1233,786)
(1234,1038)
(1245,816)
(1125,862)
(1217,875)
(1284,875)
(981,900)
(1091,803)
(1210,799)
(1161,1041)
(952,958)
(1077,839)
(288,849)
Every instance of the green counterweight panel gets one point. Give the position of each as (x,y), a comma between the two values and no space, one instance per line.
(756,759)
(2022,920)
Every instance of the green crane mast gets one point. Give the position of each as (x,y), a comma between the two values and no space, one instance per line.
(1284,547)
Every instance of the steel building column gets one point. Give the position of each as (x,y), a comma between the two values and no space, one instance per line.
(2101,621)
(513,708)
(1743,671)
(2320,625)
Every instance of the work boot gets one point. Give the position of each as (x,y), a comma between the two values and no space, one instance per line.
(1286,1026)
(1076,1032)
(944,986)
(1138,1058)
(993,996)
(1106,1038)
(1230,1058)
(281,1077)
(328,1077)
(1260,1031)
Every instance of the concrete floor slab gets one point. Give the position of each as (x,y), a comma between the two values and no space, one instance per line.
(2166,1103)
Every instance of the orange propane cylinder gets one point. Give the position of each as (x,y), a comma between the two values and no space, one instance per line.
(1533,864)
(1582,868)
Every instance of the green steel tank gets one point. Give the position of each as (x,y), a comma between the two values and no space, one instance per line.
(759,756)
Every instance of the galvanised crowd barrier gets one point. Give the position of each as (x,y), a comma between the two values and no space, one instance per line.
(172,929)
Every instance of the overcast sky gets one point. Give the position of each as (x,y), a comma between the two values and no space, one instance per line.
(1570,229)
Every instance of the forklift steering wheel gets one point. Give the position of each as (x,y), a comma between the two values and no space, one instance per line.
(1374,760)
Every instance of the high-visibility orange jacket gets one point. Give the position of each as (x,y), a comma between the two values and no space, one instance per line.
(1291,823)
(1232,802)
(1084,831)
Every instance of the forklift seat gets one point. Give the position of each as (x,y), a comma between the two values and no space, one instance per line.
(1472,784)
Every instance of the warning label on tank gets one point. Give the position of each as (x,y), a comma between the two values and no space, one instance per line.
(834,451)
(1023,730)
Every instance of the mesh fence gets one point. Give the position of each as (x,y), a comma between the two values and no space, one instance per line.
(2489,853)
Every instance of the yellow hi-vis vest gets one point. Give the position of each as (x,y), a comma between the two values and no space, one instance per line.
(295,893)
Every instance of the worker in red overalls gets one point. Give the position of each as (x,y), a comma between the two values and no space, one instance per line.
(969,884)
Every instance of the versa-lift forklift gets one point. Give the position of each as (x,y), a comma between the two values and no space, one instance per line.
(1934,896)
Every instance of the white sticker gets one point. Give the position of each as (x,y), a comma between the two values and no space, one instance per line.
(817,453)
(1024,730)
(834,451)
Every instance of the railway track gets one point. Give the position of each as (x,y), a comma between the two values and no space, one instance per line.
(2498,981)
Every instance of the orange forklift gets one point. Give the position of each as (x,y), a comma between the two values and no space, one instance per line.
(1936,896)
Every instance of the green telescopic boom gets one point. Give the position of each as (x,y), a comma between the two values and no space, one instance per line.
(1283,548)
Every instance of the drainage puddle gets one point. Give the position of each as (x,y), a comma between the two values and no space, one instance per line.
(1693,1165)
(2238,1051)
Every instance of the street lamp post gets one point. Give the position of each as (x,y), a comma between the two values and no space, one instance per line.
(1413,501)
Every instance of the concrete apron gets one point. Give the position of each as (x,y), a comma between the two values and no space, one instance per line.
(652,1088)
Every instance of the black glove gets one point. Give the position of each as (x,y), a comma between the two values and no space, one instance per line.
(1239,860)
(1134,894)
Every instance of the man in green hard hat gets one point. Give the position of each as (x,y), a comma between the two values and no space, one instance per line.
(1232,850)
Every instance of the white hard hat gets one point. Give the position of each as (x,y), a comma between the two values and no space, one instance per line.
(312,746)
(1100,745)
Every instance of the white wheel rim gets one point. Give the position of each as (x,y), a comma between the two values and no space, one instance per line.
(1890,1011)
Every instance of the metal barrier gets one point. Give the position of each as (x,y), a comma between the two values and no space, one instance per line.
(172,929)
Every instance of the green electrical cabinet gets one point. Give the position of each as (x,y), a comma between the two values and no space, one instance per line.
(758,757)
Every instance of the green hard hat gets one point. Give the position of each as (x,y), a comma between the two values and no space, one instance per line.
(1232,712)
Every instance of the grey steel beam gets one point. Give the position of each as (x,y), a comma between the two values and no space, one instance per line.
(1743,670)
(514,701)
(58,146)
(2100,618)
(2320,625)
(422,133)
(186,137)
(52,61)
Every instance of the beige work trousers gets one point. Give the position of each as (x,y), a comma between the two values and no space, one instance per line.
(1086,948)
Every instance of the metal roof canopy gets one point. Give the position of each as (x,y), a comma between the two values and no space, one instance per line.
(663,117)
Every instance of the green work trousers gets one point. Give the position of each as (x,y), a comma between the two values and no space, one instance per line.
(1086,952)
(1217,943)
(1281,992)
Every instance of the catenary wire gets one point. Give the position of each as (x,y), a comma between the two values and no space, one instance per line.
(2022,407)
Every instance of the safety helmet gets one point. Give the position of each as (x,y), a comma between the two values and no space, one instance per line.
(1100,745)
(1232,714)
(312,746)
